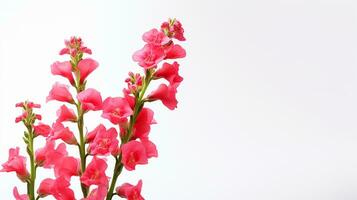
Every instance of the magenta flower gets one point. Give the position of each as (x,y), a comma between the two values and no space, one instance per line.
(67,167)
(149,56)
(166,94)
(105,142)
(66,114)
(58,188)
(95,173)
(42,129)
(130,192)
(48,156)
(19,196)
(142,124)
(63,133)
(155,37)
(60,92)
(86,67)
(169,72)
(16,163)
(116,109)
(90,99)
(134,153)
(63,69)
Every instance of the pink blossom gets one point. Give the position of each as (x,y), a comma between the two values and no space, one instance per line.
(86,67)
(150,147)
(155,37)
(63,69)
(63,133)
(58,188)
(174,29)
(105,142)
(169,72)
(98,193)
(142,124)
(28,104)
(42,129)
(48,156)
(116,109)
(134,153)
(65,114)
(166,94)
(130,192)
(95,173)
(60,92)
(16,163)
(22,117)
(91,135)
(90,99)
(174,51)
(19,196)
(149,56)
(74,46)
(67,167)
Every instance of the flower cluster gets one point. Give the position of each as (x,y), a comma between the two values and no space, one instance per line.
(126,142)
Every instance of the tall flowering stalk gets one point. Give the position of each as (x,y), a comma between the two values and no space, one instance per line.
(127,142)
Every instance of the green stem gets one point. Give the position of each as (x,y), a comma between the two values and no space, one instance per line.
(118,168)
(30,151)
(81,146)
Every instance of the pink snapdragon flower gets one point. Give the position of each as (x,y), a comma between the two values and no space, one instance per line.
(58,188)
(105,142)
(173,28)
(150,147)
(86,67)
(174,51)
(48,156)
(22,117)
(74,46)
(63,133)
(155,37)
(90,99)
(67,167)
(95,173)
(16,163)
(166,94)
(28,104)
(134,153)
(169,72)
(42,129)
(90,136)
(130,192)
(19,196)
(63,69)
(149,56)
(116,109)
(66,114)
(60,92)
(142,124)
(97,194)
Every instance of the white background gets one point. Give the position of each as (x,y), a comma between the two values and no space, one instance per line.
(267,110)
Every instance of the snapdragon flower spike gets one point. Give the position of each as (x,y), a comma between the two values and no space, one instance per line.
(116,109)
(130,192)
(19,196)
(28,117)
(173,29)
(74,46)
(58,188)
(48,156)
(90,99)
(65,114)
(95,173)
(16,163)
(60,92)
(63,69)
